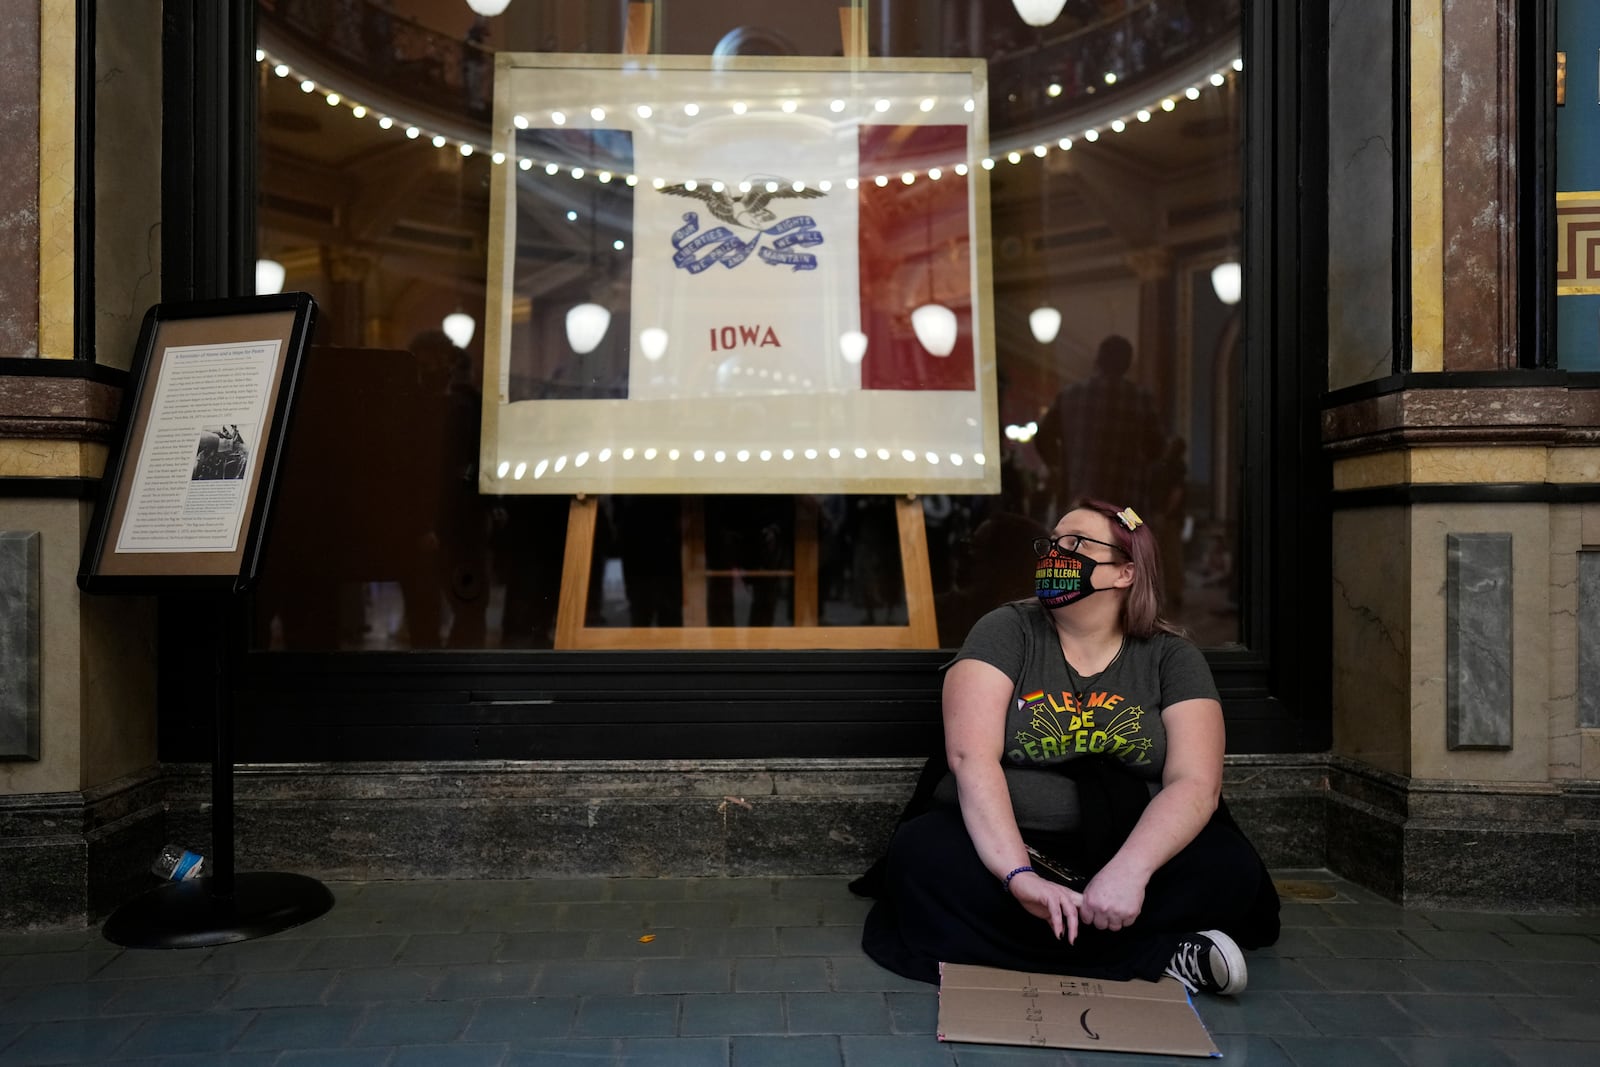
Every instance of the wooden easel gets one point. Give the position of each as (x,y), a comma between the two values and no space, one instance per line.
(921,630)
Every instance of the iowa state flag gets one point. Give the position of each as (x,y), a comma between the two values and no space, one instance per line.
(753,252)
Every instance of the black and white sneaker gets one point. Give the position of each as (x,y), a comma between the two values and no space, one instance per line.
(1209,962)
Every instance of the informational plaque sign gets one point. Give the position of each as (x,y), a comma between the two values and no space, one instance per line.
(187,485)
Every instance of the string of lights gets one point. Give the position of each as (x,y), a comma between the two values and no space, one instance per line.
(415,130)
(541,467)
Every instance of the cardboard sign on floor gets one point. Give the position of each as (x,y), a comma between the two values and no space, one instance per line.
(994,1007)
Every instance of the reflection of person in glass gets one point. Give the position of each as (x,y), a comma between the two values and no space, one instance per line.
(1168,488)
(1101,434)
(989,568)
(220,455)
(455,543)
(1080,828)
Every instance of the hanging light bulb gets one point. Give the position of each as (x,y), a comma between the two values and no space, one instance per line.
(269,277)
(852,346)
(459,327)
(1228,281)
(652,342)
(586,327)
(1045,322)
(935,327)
(1039,12)
(488,8)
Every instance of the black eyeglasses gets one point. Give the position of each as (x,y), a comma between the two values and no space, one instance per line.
(1068,543)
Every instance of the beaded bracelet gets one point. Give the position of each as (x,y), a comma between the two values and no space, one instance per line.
(1014,873)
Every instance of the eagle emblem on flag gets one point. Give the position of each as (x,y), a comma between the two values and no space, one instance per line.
(747,210)
(697,250)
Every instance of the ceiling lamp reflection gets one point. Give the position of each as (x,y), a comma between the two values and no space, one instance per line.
(586,327)
(459,327)
(269,277)
(935,327)
(1039,12)
(653,343)
(1227,279)
(1045,322)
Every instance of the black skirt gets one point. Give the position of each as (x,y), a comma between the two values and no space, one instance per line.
(938,903)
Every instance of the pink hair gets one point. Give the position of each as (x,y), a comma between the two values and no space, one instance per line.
(1141,609)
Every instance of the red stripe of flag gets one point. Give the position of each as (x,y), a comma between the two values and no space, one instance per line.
(914,246)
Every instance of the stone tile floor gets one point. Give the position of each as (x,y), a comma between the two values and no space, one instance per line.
(754,972)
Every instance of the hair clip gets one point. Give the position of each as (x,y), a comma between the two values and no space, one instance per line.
(1130,519)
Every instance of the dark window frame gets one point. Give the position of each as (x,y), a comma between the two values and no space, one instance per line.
(1536,184)
(545,704)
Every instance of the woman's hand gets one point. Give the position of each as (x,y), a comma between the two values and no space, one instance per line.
(1113,898)
(1191,781)
(1055,904)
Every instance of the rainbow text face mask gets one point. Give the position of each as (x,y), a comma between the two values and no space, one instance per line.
(1062,578)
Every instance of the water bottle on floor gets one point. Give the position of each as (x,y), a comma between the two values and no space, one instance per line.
(177,864)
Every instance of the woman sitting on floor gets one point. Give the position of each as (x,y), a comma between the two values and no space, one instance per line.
(1083,734)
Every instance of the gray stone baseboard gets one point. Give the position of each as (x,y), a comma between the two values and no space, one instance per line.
(1278,802)
(1472,846)
(498,819)
(71,858)
(615,818)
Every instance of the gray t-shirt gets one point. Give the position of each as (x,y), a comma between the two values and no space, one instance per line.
(1057,715)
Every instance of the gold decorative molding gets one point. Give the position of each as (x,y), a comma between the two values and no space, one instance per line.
(57,163)
(1150,264)
(1468,465)
(343,265)
(51,459)
(1370,471)
(1427,185)
(1572,465)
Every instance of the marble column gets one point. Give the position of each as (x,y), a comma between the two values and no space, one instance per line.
(19,178)
(1480,185)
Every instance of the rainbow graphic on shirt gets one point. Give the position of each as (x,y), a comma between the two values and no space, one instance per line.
(1060,727)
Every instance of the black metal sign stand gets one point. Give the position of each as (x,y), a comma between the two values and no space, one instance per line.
(221,906)
(268,336)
